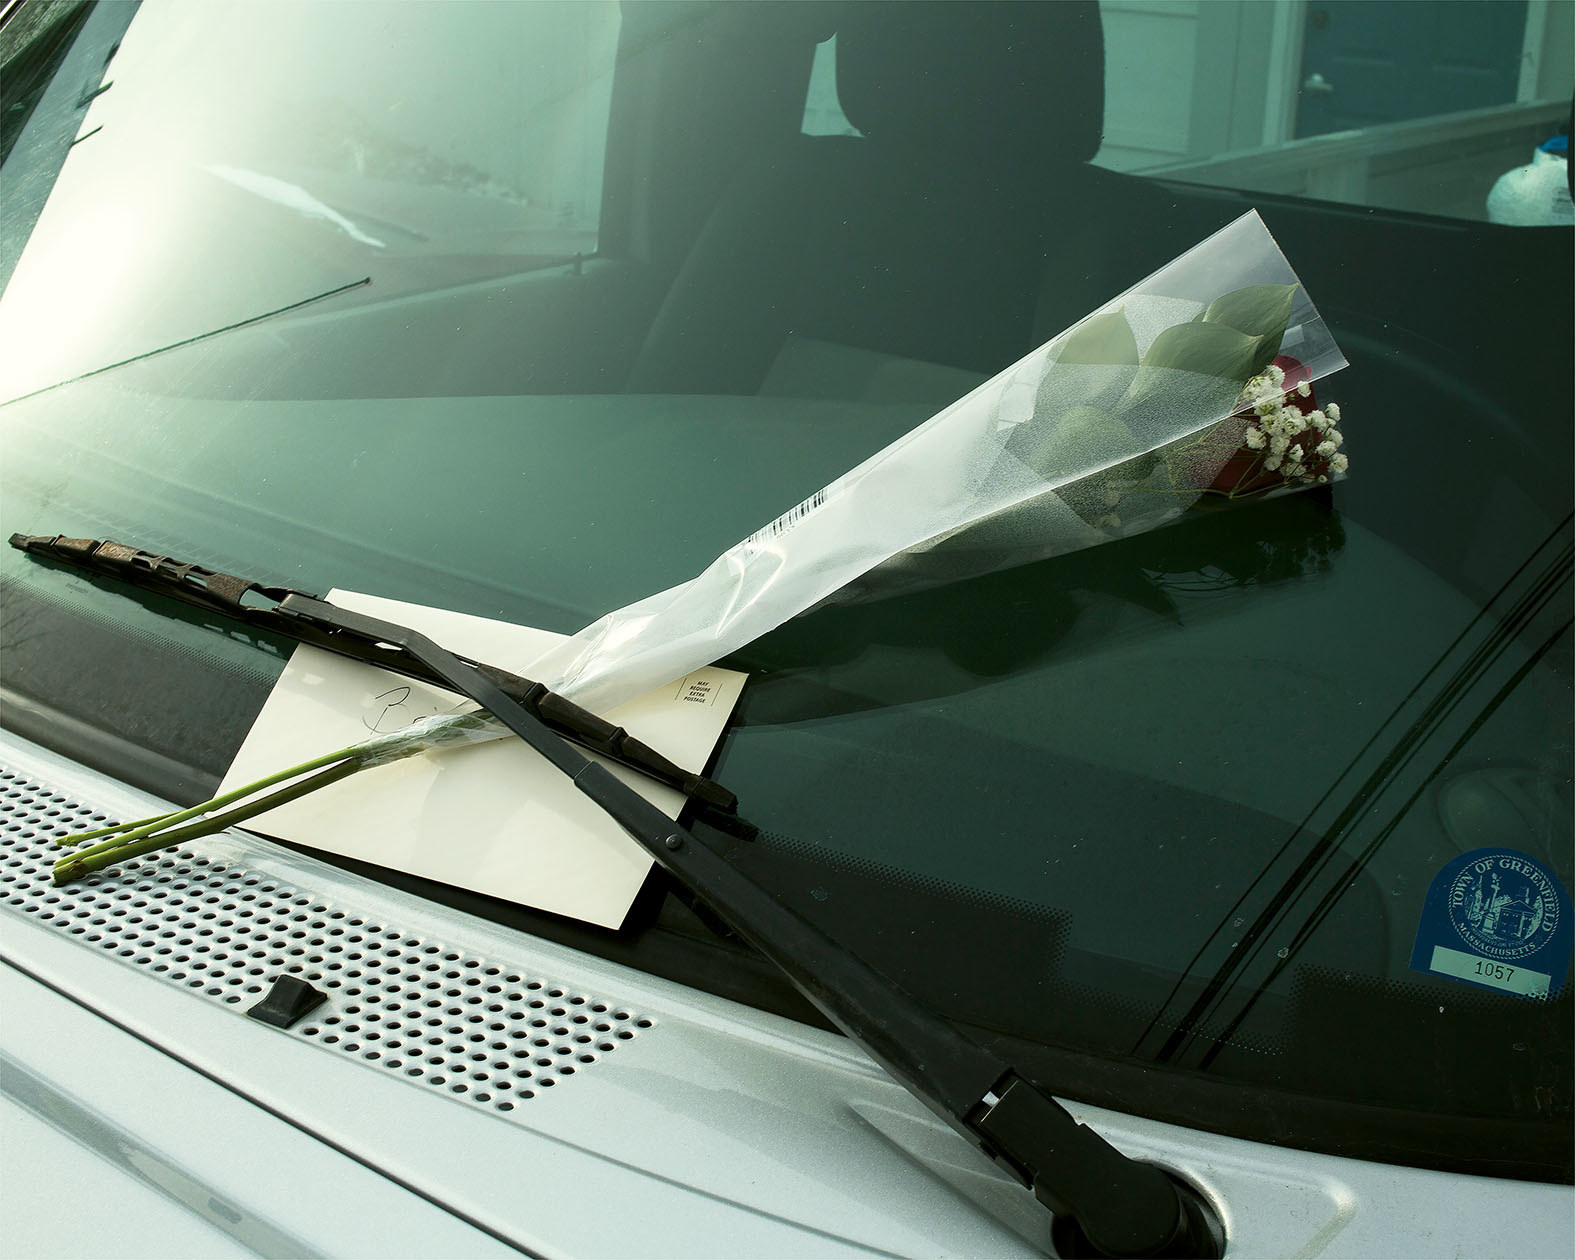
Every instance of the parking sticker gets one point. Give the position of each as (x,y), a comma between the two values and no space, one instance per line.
(1499,919)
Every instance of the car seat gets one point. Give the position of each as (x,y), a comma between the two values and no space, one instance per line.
(928,236)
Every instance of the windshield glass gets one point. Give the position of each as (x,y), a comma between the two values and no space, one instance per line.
(531,310)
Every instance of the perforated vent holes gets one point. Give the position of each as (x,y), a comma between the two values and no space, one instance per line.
(477,1029)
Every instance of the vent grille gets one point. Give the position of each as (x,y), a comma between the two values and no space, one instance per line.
(478,1029)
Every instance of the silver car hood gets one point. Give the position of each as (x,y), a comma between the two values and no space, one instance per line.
(468,1090)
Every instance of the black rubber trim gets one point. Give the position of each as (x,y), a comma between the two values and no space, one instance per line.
(120,759)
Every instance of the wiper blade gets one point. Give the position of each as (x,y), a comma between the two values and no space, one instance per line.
(1104,1203)
(300,615)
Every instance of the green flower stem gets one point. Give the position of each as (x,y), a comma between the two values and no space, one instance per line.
(76,865)
(113,829)
(127,833)
(147,835)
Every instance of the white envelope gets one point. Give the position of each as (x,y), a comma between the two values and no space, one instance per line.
(495,817)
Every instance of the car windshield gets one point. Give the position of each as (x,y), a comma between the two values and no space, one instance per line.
(531,310)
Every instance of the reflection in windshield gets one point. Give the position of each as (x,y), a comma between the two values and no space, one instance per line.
(326,144)
(1366,102)
(1479,673)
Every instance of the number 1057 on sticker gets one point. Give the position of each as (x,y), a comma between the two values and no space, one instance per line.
(1522,980)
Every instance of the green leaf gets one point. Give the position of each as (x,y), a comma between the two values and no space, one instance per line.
(1257,310)
(1077,440)
(1104,339)
(1207,349)
(1086,496)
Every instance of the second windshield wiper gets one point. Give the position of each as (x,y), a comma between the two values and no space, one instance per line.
(1104,1203)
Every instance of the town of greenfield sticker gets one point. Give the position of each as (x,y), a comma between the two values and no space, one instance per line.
(1496,918)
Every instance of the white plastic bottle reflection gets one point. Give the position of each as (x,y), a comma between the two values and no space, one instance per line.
(1537,194)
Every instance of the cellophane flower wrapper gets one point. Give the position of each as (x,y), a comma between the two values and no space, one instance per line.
(469,725)
(1116,426)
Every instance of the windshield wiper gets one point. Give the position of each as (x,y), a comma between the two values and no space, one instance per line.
(298,615)
(1104,1203)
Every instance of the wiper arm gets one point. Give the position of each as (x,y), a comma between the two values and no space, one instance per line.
(1104,1203)
(301,616)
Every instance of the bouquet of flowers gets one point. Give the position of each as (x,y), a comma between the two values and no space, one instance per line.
(1195,385)
(1116,426)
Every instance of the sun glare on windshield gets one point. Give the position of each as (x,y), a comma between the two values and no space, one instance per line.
(334,144)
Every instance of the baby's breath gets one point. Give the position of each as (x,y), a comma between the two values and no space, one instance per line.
(1294,445)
